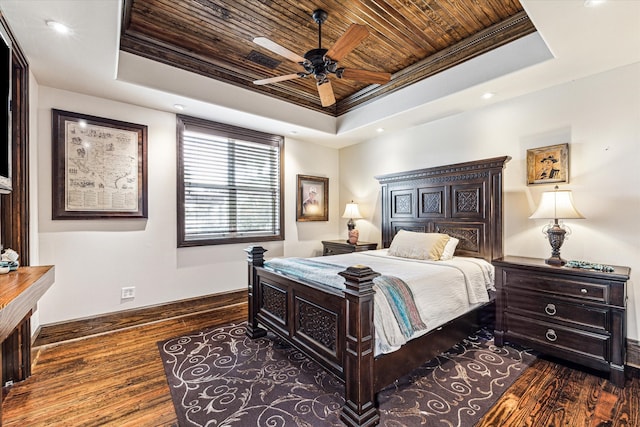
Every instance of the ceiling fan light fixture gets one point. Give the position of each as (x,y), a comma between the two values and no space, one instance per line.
(330,66)
(321,78)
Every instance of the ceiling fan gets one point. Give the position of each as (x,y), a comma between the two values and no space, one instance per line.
(320,63)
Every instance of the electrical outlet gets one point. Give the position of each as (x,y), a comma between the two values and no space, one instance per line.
(128,292)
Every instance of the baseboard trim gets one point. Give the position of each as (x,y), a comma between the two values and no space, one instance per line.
(72,330)
(633,353)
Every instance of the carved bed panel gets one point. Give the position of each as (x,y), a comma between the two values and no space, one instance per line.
(317,324)
(462,200)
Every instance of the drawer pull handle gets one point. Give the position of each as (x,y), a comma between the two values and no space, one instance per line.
(550,309)
(583,290)
(551,335)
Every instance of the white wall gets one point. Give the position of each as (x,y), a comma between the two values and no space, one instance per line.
(600,119)
(95,258)
(599,116)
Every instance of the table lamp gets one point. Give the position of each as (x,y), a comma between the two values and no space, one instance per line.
(555,205)
(351,211)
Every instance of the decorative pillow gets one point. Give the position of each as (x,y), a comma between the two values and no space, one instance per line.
(410,244)
(449,249)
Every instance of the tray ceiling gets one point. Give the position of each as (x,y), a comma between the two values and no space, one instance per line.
(412,40)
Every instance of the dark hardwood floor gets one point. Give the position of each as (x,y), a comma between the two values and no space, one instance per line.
(113,379)
(552,394)
(117,379)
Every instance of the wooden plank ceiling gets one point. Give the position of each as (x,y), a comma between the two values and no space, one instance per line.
(411,39)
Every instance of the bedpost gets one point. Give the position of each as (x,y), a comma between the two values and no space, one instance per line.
(359,408)
(255,258)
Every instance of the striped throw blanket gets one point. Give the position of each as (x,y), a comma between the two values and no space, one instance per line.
(403,306)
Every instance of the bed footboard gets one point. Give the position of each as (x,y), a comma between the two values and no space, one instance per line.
(332,327)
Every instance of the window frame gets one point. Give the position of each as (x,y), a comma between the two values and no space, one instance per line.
(232,132)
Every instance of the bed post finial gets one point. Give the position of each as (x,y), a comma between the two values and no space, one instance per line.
(255,258)
(359,408)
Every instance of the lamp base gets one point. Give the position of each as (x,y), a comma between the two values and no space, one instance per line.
(555,261)
(353,236)
(556,238)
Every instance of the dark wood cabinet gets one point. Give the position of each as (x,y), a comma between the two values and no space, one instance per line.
(570,313)
(336,247)
(21,290)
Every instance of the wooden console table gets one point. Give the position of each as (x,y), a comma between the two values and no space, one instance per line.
(20,291)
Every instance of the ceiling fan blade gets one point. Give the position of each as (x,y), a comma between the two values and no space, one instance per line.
(276,48)
(365,76)
(277,79)
(348,41)
(327,98)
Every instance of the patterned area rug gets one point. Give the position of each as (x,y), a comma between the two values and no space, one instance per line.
(220,377)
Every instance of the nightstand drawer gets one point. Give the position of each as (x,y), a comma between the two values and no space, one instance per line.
(337,247)
(550,337)
(332,250)
(558,286)
(556,310)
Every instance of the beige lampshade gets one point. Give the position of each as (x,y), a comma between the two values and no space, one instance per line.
(351,211)
(556,204)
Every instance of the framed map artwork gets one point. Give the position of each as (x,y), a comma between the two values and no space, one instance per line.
(99,167)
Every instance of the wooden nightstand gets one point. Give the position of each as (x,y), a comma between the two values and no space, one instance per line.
(570,313)
(335,247)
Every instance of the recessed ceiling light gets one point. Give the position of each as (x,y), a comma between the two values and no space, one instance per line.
(488,95)
(593,3)
(178,107)
(380,130)
(58,27)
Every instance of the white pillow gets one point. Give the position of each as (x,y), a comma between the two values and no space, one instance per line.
(449,249)
(410,244)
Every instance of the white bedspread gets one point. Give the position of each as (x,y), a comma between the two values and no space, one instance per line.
(443,290)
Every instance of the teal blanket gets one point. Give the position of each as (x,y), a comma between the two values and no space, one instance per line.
(402,304)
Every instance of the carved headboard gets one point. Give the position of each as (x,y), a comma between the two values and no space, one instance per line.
(463,200)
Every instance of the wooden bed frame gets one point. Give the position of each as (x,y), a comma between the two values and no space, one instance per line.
(335,328)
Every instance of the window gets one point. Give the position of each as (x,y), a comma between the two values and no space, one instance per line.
(229,184)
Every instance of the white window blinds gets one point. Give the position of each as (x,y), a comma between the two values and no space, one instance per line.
(231,182)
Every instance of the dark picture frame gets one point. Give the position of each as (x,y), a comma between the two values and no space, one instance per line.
(548,165)
(99,167)
(312,202)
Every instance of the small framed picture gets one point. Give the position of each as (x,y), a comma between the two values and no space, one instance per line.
(313,198)
(548,165)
